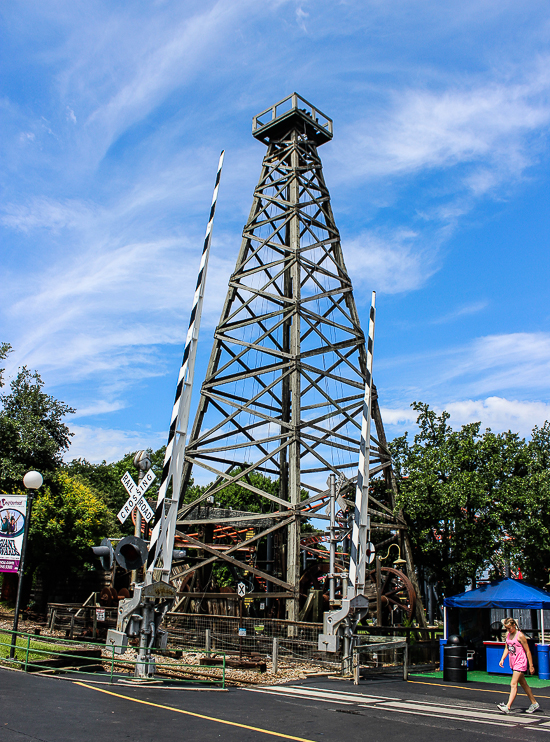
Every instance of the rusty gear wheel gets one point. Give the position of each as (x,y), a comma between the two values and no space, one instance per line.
(398,592)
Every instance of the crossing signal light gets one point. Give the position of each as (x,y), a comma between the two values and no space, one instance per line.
(131,552)
(106,553)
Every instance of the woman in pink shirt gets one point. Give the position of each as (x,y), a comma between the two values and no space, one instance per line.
(519,653)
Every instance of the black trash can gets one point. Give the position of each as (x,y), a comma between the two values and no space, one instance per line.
(455,663)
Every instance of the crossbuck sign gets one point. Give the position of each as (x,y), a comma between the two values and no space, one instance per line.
(136,498)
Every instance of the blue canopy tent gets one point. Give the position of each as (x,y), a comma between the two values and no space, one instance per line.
(505,593)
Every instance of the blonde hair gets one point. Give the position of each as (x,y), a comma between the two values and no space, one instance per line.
(507,622)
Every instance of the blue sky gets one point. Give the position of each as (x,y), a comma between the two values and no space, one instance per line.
(112,119)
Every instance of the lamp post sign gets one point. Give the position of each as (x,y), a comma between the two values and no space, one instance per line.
(13,514)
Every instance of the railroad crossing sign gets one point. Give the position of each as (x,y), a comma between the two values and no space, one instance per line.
(241,589)
(136,498)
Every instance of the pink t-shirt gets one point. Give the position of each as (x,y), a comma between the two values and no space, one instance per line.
(516,653)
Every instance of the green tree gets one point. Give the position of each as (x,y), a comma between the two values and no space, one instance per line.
(105,479)
(68,518)
(526,544)
(456,488)
(33,434)
(5,350)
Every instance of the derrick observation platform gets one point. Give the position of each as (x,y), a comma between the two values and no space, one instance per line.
(292,111)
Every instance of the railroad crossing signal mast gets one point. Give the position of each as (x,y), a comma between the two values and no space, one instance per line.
(141,615)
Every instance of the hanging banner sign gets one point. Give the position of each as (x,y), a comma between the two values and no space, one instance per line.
(13,513)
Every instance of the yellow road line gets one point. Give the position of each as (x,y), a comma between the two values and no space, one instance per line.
(198,716)
(485,690)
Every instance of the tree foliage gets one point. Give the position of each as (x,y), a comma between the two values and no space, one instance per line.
(474,500)
(68,518)
(33,434)
(106,479)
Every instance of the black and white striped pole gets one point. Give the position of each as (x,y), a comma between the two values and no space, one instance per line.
(162,537)
(360,528)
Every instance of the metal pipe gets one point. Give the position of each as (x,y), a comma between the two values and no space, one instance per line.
(542,624)
(444,621)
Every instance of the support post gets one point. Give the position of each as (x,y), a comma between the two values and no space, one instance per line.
(445,622)
(378,592)
(275,656)
(542,625)
(406,661)
(332,563)
(294,460)
(137,527)
(207,642)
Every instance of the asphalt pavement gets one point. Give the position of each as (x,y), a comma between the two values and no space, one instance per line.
(52,709)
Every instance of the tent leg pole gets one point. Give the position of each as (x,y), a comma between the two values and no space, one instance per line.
(445,622)
(542,625)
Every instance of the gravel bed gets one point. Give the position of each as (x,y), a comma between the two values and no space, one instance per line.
(188,666)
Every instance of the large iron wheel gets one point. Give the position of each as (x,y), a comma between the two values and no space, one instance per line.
(398,592)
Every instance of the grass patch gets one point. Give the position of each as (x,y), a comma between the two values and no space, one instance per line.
(479,676)
(21,648)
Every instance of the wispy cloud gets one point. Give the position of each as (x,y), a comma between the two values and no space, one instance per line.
(462,123)
(97,444)
(464,311)
(390,262)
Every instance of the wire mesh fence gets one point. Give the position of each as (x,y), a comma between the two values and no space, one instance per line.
(296,641)
(380,658)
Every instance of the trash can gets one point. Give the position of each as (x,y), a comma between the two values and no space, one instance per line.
(455,663)
(544,661)
(442,643)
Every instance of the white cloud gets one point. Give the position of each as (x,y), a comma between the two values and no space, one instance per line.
(389,263)
(500,414)
(497,362)
(98,444)
(466,123)
(497,413)
(100,407)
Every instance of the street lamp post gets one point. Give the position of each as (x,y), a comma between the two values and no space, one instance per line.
(32,481)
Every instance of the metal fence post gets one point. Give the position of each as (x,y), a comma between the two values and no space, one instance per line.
(356,667)
(275,656)
(406,662)
(112,662)
(207,641)
(27,654)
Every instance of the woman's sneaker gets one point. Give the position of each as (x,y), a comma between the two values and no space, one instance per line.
(532,708)
(505,710)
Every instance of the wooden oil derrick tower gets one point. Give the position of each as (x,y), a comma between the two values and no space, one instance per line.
(281,404)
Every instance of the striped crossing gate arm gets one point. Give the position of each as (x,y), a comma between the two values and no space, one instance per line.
(360,516)
(162,537)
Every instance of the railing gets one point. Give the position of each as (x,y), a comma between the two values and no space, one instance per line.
(380,656)
(291,103)
(46,654)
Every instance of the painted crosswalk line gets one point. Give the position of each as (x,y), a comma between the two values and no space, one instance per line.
(448,712)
